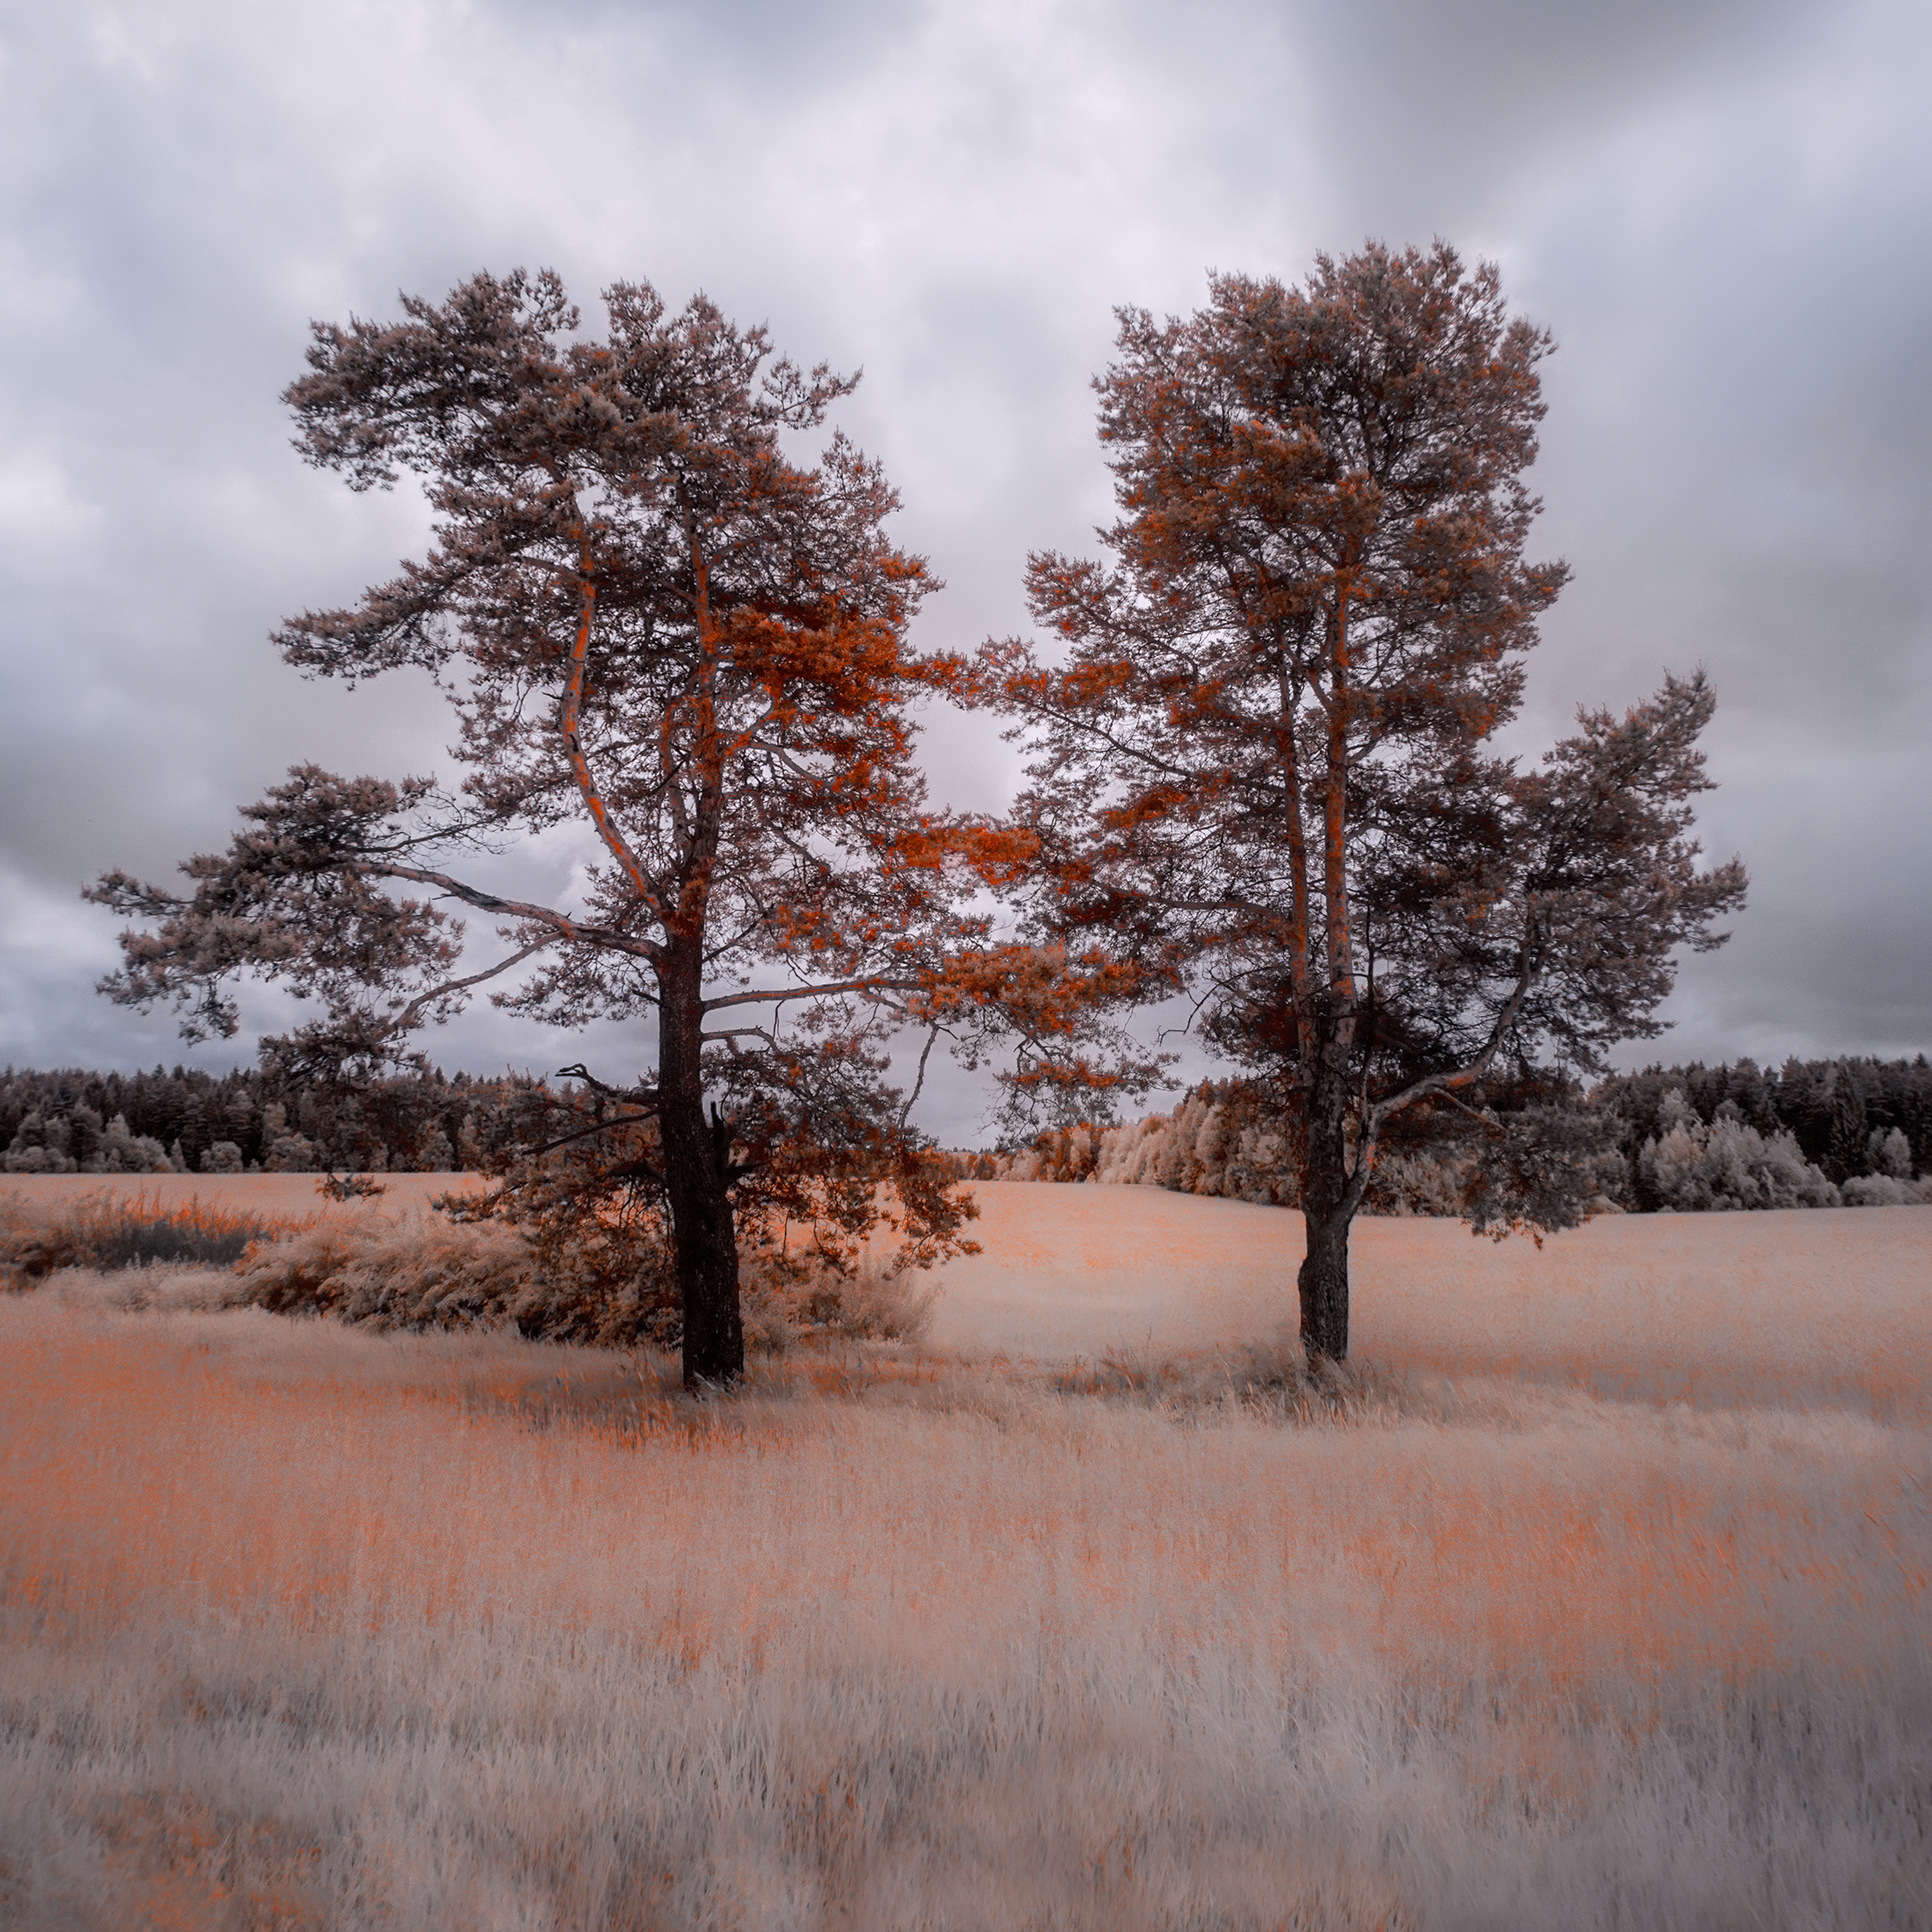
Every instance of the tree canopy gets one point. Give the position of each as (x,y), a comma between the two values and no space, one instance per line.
(1261,775)
(1260,771)
(649,619)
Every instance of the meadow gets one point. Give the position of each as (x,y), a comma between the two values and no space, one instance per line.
(1593,1594)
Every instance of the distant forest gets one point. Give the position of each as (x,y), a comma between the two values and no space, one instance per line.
(1817,1133)
(191,1122)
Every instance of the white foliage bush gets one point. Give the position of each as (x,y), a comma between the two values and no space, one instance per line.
(290,1154)
(37,1160)
(1214,1145)
(1207,1145)
(1221,1143)
(1410,1184)
(39,1147)
(122,1152)
(1885,1191)
(44,1147)
(1144,1154)
(869,1300)
(1890,1154)
(1729,1165)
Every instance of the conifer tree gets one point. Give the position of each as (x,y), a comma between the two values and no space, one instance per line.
(1261,772)
(647,618)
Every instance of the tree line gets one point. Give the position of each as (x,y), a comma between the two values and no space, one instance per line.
(253,1121)
(1814,1133)
(1848,1120)
(1261,773)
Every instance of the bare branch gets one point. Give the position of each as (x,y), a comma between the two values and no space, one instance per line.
(918,1085)
(426,999)
(809,990)
(561,924)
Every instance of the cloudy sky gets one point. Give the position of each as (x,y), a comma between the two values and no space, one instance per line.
(1720,207)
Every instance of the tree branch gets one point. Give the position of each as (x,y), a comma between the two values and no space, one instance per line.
(1474,1071)
(925,1053)
(613,839)
(812,992)
(560,923)
(459,986)
(645,1096)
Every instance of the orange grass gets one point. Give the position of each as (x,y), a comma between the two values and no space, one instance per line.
(303,1625)
(49,1222)
(194,1215)
(293,1197)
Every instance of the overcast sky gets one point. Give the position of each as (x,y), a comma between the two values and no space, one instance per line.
(1721,211)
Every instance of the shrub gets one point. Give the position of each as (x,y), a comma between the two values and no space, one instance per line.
(606,1287)
(41,1145)
(350,1187)
(868,1299)
(414,1274)
(1729,1164)
(100,1231)
(421,1273)
(1885,1191)
(1220,1139)
(1232,1139)
(1888,1153)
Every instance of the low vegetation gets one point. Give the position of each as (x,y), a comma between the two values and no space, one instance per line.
(305,1625)
(106,1230)
(424,1271)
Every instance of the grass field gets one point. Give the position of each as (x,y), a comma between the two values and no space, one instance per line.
(1596,1596)
(294,1197)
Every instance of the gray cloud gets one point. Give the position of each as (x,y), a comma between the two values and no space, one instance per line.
(1709,206)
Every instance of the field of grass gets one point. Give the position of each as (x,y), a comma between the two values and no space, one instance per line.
(1594,1595)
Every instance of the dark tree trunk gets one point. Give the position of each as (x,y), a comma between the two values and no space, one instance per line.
(1328,1207)
(1323,1283)
(697,1179)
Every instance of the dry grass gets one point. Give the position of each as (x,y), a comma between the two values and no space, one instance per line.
(114,1230)
(400,1264)
(269,1197)
(51,1222)
(301,1626)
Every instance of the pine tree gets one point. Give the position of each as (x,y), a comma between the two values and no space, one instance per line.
(1260,764)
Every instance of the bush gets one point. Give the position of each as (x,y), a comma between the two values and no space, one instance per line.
(1231,1139)
(1885,1191)
(419,1274)
(1692,1168)
(100,1231)
(413,1274)
(1888,1153)
(1222,1139)
(869,1300)
(425,1273)
(78,1144)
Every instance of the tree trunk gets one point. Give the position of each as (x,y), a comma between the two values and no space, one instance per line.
(1323,1285)
(697,1179)
(1327,1209)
